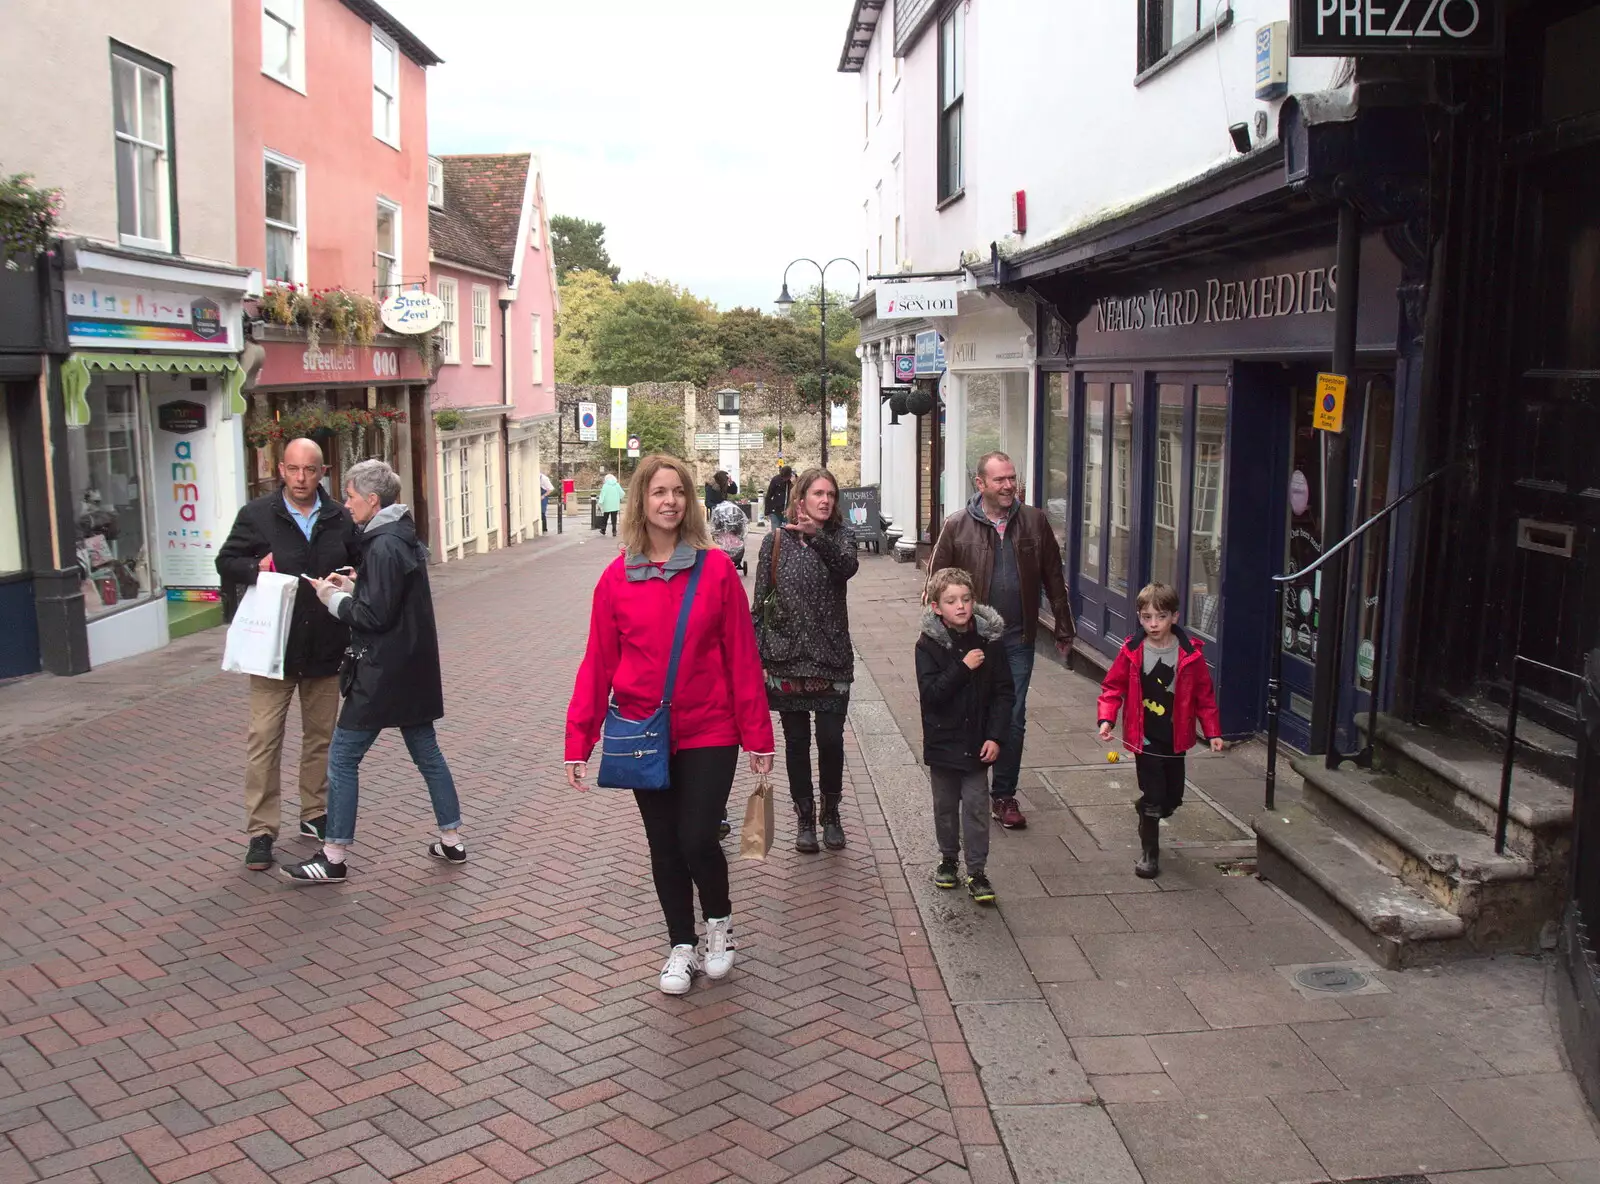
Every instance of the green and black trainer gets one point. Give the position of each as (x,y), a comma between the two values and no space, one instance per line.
(982,891)
(947,874)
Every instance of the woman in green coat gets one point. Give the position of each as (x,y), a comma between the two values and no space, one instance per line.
(610,503)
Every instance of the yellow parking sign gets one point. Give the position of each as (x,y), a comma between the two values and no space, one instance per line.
(1329,413)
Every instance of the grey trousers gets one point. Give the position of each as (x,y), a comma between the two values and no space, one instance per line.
(961,814)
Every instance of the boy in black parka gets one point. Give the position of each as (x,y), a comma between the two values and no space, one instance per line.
(964,681)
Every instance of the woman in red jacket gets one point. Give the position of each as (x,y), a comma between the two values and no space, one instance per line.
(719,703)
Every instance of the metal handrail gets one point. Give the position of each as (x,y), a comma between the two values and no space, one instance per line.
(1280,584)
(1503,811)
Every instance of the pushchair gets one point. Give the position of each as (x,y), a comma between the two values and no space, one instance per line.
(728,525)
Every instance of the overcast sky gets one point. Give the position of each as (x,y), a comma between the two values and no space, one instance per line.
(715,139)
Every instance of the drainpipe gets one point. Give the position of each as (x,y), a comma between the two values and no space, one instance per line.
(505,423)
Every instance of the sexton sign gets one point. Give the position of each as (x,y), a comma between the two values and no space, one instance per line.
(1430,28)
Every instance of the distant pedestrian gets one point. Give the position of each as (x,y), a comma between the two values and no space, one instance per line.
(718,490)
(776,503)
(1163,668)
(546,487)
(964,682)
(717,703)
(610,503)
(391,677)
(1010,549)
(295,530)
(805,648)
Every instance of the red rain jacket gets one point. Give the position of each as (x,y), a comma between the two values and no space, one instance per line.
(1193,697)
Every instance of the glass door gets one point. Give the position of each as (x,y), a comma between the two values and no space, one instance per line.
(1104,578)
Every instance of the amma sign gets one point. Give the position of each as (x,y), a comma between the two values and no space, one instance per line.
(1431,28)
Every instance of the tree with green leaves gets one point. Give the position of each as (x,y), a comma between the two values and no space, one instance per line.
(659,426)
(806,313)
(756,347)
(580,245)
(585,298)
(654,332)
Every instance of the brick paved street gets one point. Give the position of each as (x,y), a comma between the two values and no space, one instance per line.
(166,1015)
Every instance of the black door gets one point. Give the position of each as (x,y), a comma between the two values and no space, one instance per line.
(1553,509)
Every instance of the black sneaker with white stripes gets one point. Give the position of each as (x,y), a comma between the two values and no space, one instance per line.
(315,828)
(456,854)
(314,871)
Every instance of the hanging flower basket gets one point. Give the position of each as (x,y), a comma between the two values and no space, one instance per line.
(346,317)
(28,217)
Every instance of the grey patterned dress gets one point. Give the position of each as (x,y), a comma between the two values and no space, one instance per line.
(809,661)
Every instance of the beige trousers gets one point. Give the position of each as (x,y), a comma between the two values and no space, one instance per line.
(269,708)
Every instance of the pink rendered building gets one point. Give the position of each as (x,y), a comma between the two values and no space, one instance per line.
(491,267)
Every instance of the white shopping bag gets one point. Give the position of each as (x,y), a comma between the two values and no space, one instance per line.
(260,628)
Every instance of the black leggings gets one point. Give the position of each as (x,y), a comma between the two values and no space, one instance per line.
(610,520)
(797,752)
(685,852)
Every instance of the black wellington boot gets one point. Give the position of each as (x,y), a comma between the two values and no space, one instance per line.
(805,839)
(1149,865)
(832,829)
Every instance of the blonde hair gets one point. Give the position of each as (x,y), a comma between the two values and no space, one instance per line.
(946,578)
(1161,597)
(691,527)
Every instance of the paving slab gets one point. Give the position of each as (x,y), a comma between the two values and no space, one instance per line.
(1383,1132)
(1540,1118)
(1065,1145)
(1241,1063)
(1242,1142)
(1249,998)
(1392,1050)
(1022,1056)
(1136,955)
(1121,1007)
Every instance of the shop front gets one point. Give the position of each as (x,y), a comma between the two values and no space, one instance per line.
(1175,443)
(989,353)
(356,401)
(891,443)
(153,447)
(470,484)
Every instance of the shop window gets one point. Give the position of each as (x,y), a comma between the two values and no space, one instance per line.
(1303,540)
(1171,404)
(952,88)
(1096,395)
(447,481)
(1376,447)
(480,326)
(997,419)
(104,459)
(1119,544)
(490,515)
(1058,457)
(141,96)
(1204,608)
(387,253)
(537,333)
(449,327)
(385,89)
(469,529)
(12,555)
(285,210)
(283,47)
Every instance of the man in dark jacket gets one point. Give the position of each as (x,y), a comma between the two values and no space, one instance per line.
(393,679)
(776,502)
(298,530)
(1012,554)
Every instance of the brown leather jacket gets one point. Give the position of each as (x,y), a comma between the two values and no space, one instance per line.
(968,543)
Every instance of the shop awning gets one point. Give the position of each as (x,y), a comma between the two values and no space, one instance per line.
(75,377)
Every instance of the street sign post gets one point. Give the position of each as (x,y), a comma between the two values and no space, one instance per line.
(588,422)
(633,446)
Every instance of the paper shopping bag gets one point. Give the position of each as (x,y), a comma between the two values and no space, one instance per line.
(260,629)
(755,840)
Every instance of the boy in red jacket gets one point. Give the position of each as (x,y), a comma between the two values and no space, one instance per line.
(1164,669)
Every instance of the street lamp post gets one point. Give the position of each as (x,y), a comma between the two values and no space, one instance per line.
(786,302)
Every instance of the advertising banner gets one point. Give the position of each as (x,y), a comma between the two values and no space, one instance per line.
(619,417)
(186,491)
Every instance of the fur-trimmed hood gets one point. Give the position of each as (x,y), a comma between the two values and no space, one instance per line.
(991,625)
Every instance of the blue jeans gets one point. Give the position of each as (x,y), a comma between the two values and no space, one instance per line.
(1006,770)
(344,778)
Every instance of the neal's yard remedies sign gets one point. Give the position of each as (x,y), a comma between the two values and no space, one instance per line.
(1353,28)
(916,298)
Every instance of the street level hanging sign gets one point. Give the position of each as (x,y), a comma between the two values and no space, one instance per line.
(413,312)
(916,298)
(1428,28)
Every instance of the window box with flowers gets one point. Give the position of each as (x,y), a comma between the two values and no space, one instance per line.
(348,318)
(360,432)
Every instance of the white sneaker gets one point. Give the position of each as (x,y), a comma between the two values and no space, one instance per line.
(678,974)
(719,946)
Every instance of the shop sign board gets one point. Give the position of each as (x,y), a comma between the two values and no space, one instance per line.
(133,316)
(412,312)
(916,298)
(292,363)
(1426,28)
(905,367)
(860,509)
(1328,413)
(930,353)
(187,496)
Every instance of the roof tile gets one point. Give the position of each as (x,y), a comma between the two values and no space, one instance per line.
(482,211)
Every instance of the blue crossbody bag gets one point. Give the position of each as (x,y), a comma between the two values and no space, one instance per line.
(634,752)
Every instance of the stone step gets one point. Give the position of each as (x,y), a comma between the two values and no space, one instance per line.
(1322,865)
(1480,718)
(1465,776)
(1506,900)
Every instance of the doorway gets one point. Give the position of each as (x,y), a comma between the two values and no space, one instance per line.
(1104,575)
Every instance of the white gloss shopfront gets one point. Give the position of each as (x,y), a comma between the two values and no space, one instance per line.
(988,391)
(154,443)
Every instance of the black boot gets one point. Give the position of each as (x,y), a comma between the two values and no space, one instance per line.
(832,830)
(1149,865)
(805,839)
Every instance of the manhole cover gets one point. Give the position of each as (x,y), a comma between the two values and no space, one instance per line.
(1338,980)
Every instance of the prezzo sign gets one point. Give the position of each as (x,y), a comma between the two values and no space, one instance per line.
(1351,28)
(927,298)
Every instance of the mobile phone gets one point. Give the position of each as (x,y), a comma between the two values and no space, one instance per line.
(308,579)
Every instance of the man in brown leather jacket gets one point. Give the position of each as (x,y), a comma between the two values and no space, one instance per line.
(1011,552)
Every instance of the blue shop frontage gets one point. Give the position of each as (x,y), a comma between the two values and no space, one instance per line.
(1174,439)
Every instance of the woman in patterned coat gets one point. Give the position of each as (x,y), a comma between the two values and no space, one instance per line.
(806,653)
